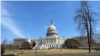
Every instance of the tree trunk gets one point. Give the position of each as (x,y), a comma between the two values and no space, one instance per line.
(90,32)
(89,48)
(98,48)
(88,36)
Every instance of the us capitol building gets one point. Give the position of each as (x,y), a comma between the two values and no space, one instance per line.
(50,41)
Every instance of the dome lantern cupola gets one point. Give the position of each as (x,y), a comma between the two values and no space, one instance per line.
(51,22)
(52,32)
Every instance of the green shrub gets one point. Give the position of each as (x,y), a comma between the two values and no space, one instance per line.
(33,44)
(26,45)
(2,50)
(72,43)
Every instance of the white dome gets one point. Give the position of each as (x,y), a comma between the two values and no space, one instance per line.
(52,31)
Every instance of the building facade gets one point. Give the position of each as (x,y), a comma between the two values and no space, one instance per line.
(50,41)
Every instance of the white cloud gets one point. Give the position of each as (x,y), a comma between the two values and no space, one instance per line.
(45,27)
(99,9)
(8,21)
(97,28)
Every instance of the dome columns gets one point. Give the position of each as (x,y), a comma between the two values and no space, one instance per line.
(52,34)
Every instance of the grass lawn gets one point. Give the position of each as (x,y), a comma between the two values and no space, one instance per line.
(51,51)
(91,47)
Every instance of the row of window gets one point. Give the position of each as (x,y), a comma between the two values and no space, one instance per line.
(50,41)
(50,45)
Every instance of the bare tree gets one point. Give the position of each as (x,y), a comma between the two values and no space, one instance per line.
(84,40)
(10,45)
(4,42)
(85,21)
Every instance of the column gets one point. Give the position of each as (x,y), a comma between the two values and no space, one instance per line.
(53,41)
(59,43)
(47,41)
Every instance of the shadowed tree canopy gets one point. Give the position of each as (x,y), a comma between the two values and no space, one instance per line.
(26,45)
(33,44)
(72,43)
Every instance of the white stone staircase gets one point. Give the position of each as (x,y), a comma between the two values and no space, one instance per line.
(37,47)
(42,47)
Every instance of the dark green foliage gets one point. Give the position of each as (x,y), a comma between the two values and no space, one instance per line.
(33,44)
(26,45)
(2,50)
(72,43)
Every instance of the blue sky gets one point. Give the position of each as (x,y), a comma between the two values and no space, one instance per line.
(31,19)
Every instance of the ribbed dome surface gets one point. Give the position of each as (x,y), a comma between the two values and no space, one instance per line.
(52,30)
